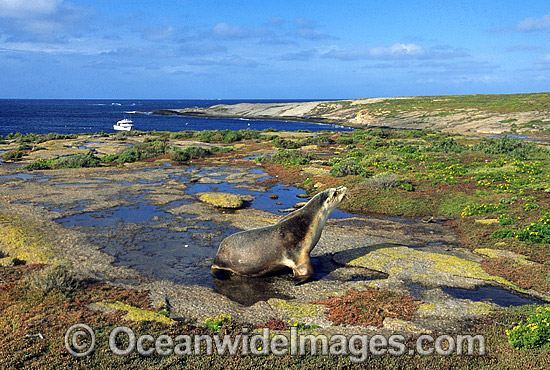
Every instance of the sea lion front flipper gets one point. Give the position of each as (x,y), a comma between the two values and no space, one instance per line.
(219,273)
(303,271)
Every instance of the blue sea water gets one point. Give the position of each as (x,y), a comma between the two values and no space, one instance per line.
(93,116)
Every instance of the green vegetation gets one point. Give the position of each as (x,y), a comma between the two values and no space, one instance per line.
(38,138)
(221,136)
(444,105)
(142,151)
(53,277)
(538,231)
(289,158)
(534,332)
(12,155)
(217,322)
(195,152)
(73,161)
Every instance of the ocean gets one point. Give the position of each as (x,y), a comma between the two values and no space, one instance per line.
(93,116)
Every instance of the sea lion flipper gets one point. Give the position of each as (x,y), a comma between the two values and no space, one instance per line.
(303,271)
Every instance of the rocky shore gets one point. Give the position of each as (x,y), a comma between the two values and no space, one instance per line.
(132,226)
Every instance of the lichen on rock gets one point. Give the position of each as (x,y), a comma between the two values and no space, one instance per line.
(428,269)
(137,314)
(223,200)
(22,239)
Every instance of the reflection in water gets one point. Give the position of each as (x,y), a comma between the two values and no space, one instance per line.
(248,291)
(497,295)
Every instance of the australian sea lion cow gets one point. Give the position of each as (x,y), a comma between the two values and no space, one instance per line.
(287,243)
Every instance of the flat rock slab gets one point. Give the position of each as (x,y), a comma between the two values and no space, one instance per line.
(420,267)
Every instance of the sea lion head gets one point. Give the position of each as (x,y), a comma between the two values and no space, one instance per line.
(330,198)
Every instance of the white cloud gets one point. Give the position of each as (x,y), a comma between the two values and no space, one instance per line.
(533,24)
(395,52)
(276,21)
(543,63)
(27,8)
(226,31)
(40,20)
(158,33)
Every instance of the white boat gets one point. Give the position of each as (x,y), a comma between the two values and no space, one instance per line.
(124,125)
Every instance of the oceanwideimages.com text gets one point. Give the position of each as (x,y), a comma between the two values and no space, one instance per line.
(80,341)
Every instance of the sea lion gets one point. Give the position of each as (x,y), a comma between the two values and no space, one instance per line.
(287,243)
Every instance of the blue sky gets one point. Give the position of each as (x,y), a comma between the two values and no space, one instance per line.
(288,49)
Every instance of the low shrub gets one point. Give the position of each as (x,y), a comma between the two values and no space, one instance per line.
(12,155)
(474,209)
(383,180)
(369,307)
(504,220)
(348,167)
(77,161)
(448,145)
(194,152)
(290,158)
(39,164)
(534,332)
(53,277)
(147,150)
(510,146)
(538,232)
(502,233)
(217,322)
(281,143)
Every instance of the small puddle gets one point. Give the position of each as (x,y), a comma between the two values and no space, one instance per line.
(162,254)
(287,196)
(138,214)
(496,295)
(180,248)
(22,176)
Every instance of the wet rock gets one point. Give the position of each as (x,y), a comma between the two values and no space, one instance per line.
(11,261)
(273,196)
(302,196)
(299,205)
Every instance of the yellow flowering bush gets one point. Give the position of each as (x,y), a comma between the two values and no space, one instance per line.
(533,333)
(538,232)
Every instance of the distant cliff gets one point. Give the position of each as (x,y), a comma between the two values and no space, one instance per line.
(466,114)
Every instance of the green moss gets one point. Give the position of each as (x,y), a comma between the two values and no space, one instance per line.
(496,253)
(138,314)
(296,310)
(222,200)
(488,221)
